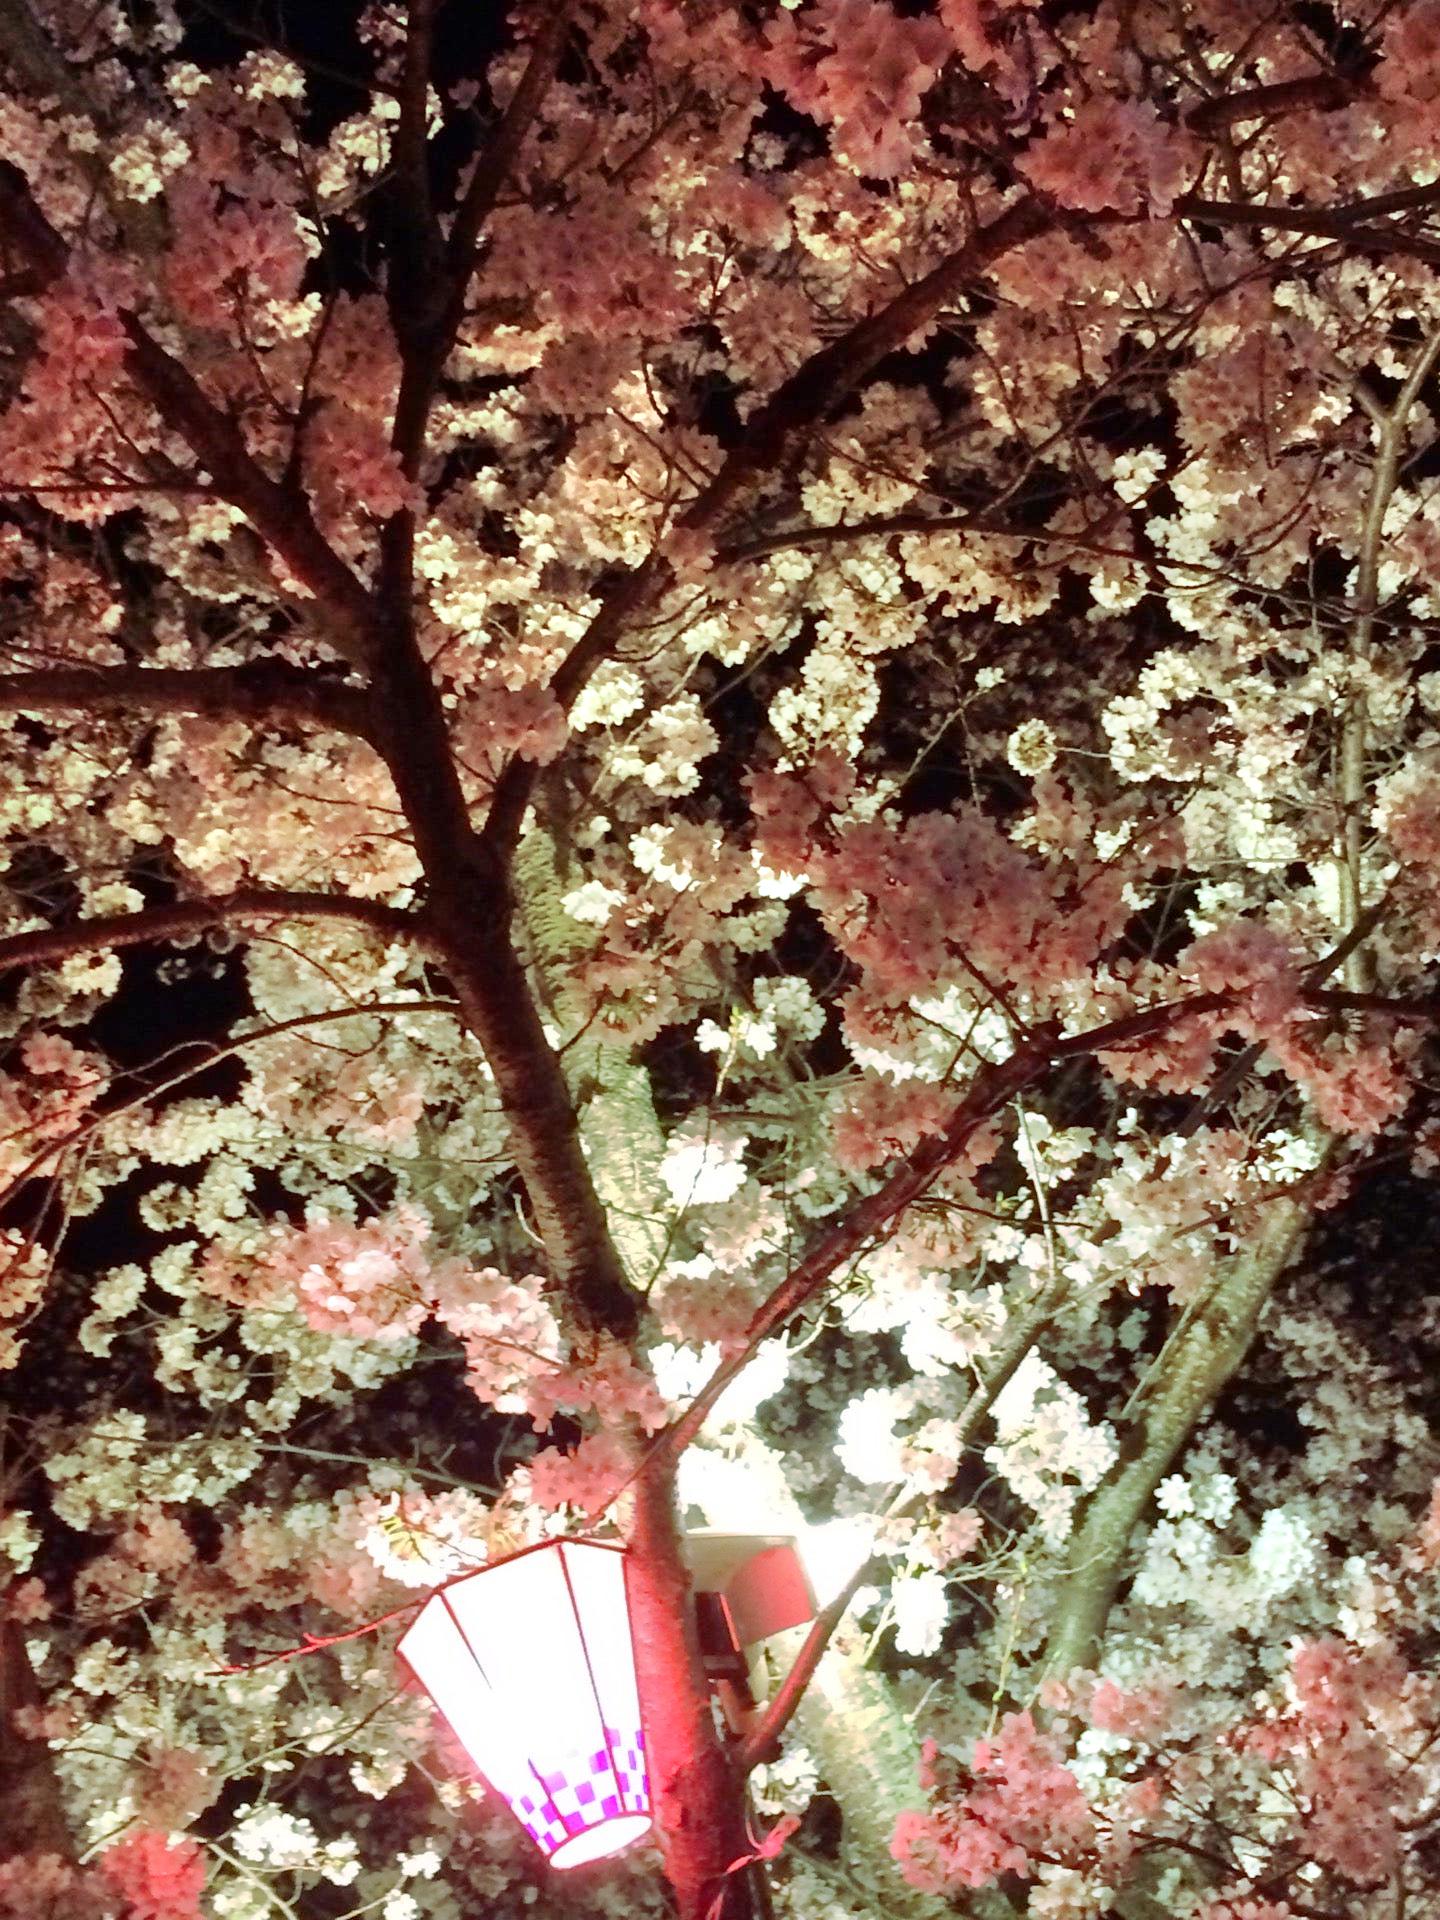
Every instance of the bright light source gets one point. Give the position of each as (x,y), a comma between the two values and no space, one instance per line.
(749,1491)
(531,1662)
(833,1552)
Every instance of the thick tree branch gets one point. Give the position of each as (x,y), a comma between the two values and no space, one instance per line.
(829,376)
(1200,1355)
(1311,93)
(468,918)
(799,403)
(413,267)
(1311,995)
(1333,222)
(1409,1012)
(1402,200)
(992,1088)
(1350,770)
(470,905)
(1196,1361)
(280,515)
(246,906)
(265,692)
(762,1742)
(493,167)
(428,284)
(428,317)
(1344,223)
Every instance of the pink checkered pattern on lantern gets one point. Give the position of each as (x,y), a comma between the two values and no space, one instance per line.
(586,1790)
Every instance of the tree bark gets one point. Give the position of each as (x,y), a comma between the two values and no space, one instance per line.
(698,1798)
(32,1812)
(1195,1364)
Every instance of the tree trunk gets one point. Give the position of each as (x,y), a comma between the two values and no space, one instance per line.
(32,1813)
(699,1803)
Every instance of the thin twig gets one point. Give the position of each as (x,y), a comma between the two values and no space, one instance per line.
(213,1053)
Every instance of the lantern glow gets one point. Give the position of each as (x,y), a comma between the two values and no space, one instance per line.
(531,1662)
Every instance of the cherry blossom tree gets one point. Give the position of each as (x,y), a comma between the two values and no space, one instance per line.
(722,805)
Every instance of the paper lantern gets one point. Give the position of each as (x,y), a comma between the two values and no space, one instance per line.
(531,1662)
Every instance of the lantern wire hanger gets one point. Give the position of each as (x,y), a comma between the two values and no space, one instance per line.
(317,1642)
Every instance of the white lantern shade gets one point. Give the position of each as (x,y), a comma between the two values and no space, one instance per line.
(531,1662)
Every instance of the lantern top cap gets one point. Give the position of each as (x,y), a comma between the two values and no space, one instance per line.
(524,1553)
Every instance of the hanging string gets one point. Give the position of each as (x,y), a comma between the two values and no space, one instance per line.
(317,1642)
(766,1847)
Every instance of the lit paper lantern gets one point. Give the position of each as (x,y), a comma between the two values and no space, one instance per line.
(531,1662)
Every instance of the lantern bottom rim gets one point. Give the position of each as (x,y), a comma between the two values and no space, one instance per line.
(598,1843)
